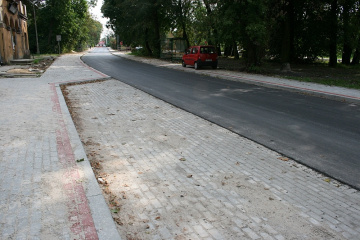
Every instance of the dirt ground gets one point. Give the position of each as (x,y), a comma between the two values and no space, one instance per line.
(44,63)
(35,69)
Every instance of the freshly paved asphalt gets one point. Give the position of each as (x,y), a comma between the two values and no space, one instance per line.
(323,134)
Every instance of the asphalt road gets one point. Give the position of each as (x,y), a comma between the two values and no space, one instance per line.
(320,133)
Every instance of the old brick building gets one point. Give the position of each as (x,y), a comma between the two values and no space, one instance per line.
(14,41)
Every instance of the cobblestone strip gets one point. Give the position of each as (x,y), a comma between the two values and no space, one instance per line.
(79,212)
(177,176)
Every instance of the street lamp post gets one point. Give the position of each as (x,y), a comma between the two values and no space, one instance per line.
(36,33)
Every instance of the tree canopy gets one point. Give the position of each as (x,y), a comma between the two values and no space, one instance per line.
(68,18)
(287,30)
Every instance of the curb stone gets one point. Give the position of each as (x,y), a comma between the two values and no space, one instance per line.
(104,223)
(319,90)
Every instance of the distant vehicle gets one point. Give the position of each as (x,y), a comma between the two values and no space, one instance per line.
(199,56)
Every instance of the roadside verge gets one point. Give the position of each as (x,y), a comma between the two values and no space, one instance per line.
(319,90)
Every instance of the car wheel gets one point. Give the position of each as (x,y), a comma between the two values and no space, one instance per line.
(196,66)
(183,64)
(214,66)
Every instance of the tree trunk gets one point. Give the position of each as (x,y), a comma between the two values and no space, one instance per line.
(147,44)
(252,55)
(356,58)
(347,49)
(287,35)
(157,39)
(227,50)
(214,30)
(333,34)
(236,53)
(183,24)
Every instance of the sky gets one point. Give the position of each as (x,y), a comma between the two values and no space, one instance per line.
(96,12)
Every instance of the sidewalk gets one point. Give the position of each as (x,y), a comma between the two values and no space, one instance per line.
(331,92)
(178,176)
(172,175)
(45,193)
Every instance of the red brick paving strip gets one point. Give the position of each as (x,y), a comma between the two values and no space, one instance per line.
(78,208)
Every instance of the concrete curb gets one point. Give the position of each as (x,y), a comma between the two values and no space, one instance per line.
(314,89)
(104,223)
(19,75)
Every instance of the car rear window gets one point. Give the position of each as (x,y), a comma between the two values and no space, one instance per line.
(194,50)
(207,50)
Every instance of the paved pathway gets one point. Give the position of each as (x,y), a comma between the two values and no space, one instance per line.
(181,177)
(338,93)
(176,176)
(45,193)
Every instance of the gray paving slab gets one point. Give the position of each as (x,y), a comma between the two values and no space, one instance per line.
(45,193)
(178,176)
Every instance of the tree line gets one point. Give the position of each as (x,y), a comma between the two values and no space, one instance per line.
(286,30)
(69,18)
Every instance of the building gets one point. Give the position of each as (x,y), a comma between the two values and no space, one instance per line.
(14,40)
(101,44)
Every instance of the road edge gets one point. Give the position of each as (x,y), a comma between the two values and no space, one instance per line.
(248,80)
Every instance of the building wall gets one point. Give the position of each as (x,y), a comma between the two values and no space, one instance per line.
(14,41)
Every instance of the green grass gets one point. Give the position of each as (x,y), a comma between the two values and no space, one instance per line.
(36,61)
(139,53)
(39,57)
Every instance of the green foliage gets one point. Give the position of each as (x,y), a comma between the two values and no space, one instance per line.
(68,18)
(286,30)
(94,29)
(139,22)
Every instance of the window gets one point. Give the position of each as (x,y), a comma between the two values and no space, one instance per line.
(13,8)
(209,50)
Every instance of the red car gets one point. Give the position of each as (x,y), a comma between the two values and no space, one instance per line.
(199,56)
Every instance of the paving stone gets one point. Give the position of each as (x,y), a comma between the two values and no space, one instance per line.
(32,174)
(224,199)
(230,186)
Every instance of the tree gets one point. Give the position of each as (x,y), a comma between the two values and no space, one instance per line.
(179,14)
(67,18)
(94,31)
(350,28)
(229,31)
(253,30)
(210,5)
(287,38)
(346,54)
(356,22)
(286,30)
(333,33)
(139,21)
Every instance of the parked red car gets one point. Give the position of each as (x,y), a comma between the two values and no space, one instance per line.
(199,56)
